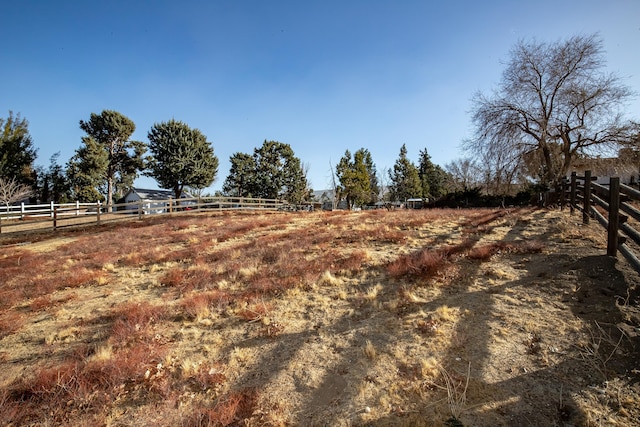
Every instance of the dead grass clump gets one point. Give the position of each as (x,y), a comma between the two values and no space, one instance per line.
(350,262)
(189,279)
(206,376)
(424,263)
(41,303)
(256,311)
(80,388)
(10,321)
(272,255)
(329,279)
(234,408)
(369,350)
(133,319)
(199,305)
(233,230)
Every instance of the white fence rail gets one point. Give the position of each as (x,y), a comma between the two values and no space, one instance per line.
(53,215)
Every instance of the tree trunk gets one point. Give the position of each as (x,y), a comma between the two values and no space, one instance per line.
(110,194)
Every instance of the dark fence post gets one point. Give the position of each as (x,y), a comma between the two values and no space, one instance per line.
(614,216)
(572,197)
(98,209)
(587,197)
(55,218)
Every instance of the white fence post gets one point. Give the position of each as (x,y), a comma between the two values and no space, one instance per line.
(51,204)
(22,210)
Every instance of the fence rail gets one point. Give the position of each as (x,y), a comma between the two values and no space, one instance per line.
(613,207)
(56,215)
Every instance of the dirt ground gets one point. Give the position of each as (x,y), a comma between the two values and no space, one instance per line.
(523,321)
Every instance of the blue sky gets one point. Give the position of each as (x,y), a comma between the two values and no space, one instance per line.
(323,76)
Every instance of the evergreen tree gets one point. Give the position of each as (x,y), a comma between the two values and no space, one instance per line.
(432,177)
(405,181)
(109,161)
(53,185)
(355,178)
(273,172)
(241,179)
(180,157)
(16,150)
(85,171)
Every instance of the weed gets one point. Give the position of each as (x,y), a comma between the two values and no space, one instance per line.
(600,349)
(256,312)
(231,409)
(532,343)
(199,304)
(10,321)
(369,350)
(456,389)
(423,263)
(133,319)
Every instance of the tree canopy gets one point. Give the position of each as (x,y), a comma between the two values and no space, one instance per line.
(357,179)
(180,157)
(432,177)
(241,178)
(272,172)
(405,180)
(554,103)
(108,161)
(16,150)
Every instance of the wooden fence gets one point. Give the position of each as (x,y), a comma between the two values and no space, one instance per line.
(614,206)
(25,217)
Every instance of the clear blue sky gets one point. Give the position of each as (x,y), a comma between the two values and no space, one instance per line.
(323,76)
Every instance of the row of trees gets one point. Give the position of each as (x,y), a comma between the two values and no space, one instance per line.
(553,106)
(108,161)
(105,166)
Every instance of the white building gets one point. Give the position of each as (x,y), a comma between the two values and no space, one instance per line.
(153,201)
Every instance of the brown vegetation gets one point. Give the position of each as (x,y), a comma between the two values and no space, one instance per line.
(429,317)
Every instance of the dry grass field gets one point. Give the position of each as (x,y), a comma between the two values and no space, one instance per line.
(373,318)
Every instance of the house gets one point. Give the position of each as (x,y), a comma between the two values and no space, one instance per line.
(603,168)
(415,203)
(153,201)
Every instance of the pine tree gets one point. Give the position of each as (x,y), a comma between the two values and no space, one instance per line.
(273,172)
(355,178)
(241,179)
(109,161)
(180,157)
(405,181)
(432,177)
(16,150)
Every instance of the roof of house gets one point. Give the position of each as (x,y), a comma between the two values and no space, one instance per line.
(145,194)
(605,166)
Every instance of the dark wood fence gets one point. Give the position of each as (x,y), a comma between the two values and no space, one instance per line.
(613,205)
(53,216)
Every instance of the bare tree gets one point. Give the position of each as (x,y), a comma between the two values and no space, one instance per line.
(464,174)
(554,103)
(11,191)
